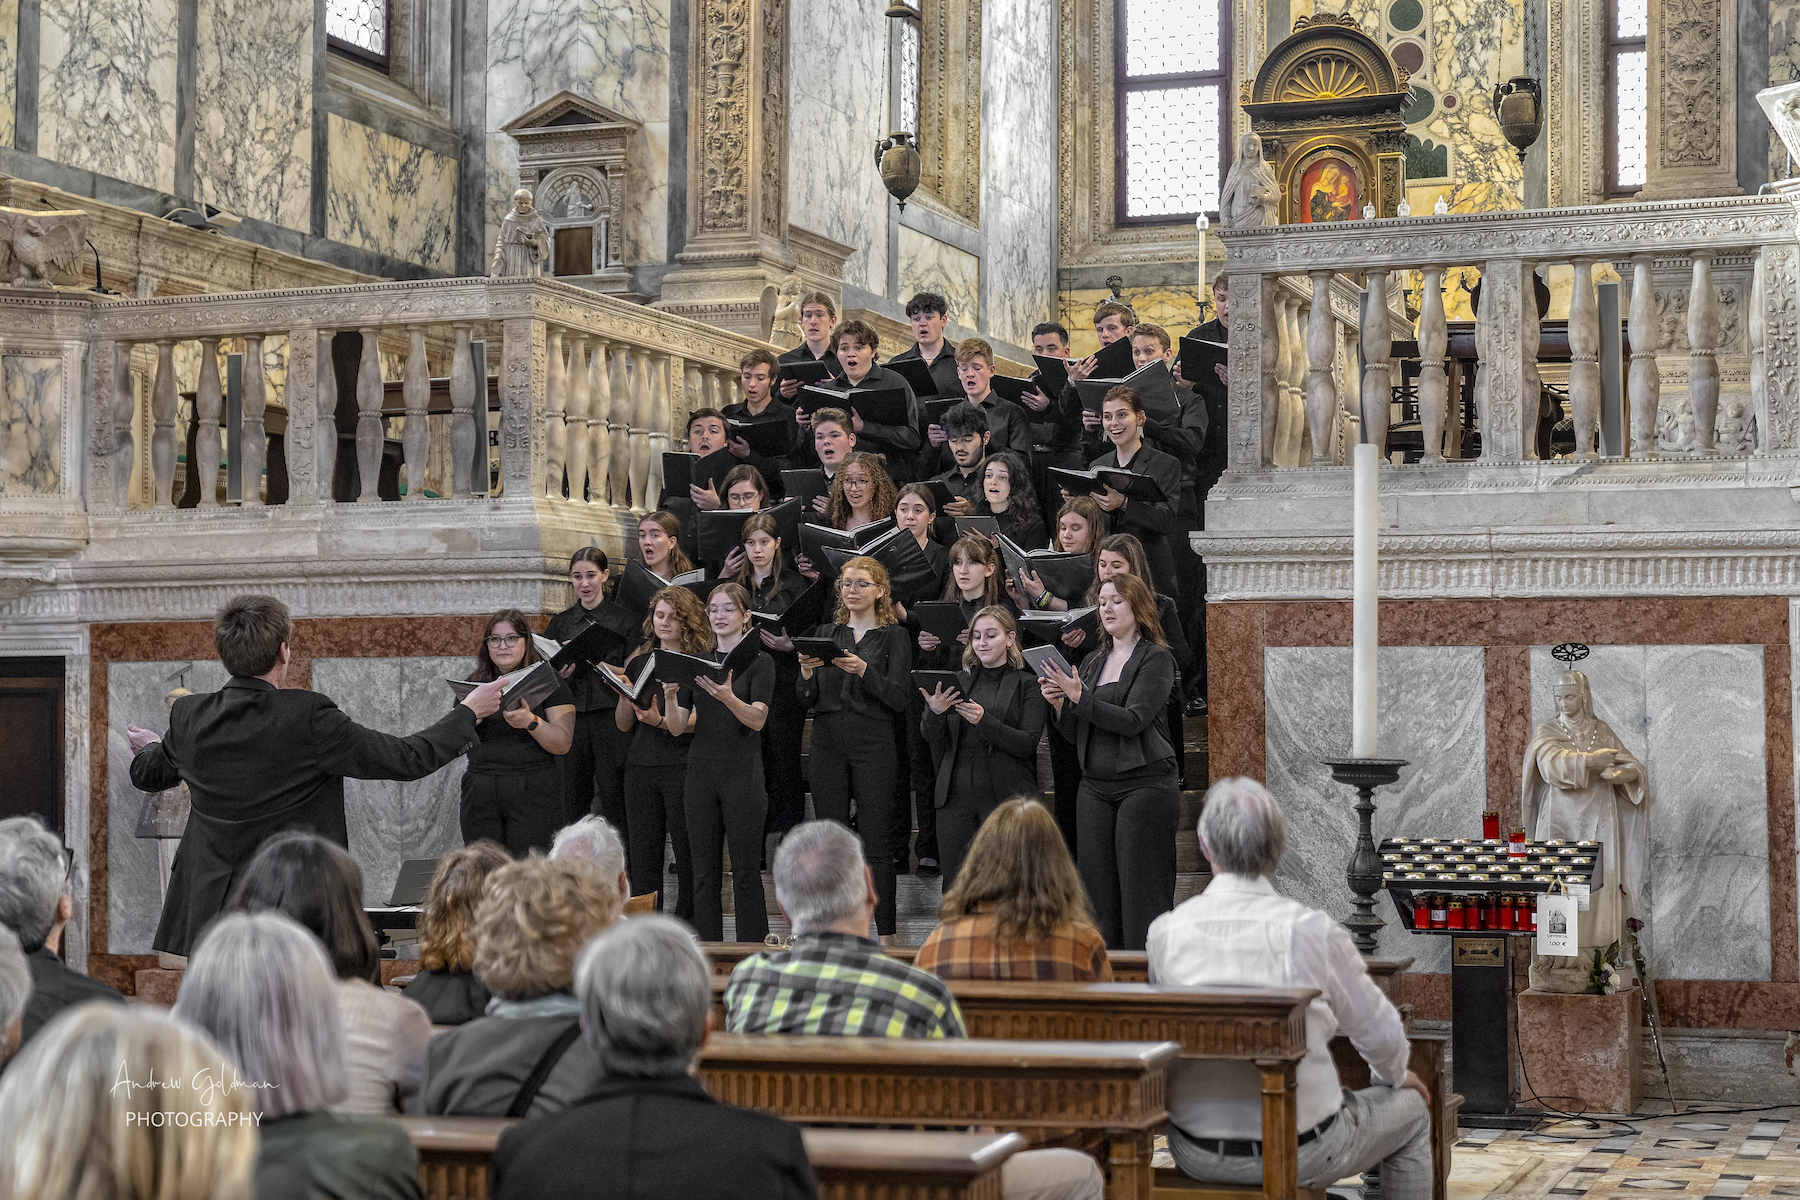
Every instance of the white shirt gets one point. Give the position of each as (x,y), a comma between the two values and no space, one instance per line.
(1240,931)
(384,1047)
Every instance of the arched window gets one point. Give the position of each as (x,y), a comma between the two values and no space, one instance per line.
(1172,110)
(358,29)
(1627,96)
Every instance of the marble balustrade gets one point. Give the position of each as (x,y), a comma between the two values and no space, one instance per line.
(1282,350)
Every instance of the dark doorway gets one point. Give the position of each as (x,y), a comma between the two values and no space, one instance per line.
(575,250)
(31,713)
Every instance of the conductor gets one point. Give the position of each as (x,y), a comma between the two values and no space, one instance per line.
(259,758)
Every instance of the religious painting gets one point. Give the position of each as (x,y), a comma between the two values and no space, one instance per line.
(1329,191)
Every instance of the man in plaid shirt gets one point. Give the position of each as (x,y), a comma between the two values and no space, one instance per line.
(833,979)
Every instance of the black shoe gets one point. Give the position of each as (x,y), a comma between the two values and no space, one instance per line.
(928,867)
(1196,707)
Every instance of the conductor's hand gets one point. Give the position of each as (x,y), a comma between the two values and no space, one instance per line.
(484,701)
(141,737)
(520,717)
(1414,1083)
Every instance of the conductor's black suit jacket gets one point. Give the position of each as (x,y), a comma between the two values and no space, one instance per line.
(259,760)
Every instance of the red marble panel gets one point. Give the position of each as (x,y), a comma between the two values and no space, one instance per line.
(1727,1004)
(1428,994)
(1234,690)
(1778,703)
(1508,677)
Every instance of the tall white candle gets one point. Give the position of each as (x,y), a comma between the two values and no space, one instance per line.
(1200,223)
(1365,571)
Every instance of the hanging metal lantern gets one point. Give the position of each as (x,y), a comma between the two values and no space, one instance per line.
(1519,107)
(900,165)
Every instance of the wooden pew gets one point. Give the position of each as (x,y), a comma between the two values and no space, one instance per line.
(1110,1092)
(455,1154)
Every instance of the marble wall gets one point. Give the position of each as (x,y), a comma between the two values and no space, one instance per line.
(1694,715)
(1172,308)
(106,88)
(254,114)
(31,425)
(391,821)
(1432,713)
(837,112)
(390,196)
(9,68)
(134,694)
(928,265)
(616,54)
(1018,178)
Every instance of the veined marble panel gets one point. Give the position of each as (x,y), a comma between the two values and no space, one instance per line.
(837,112)
(31,425)
(1173,309)
(1018,206)
(390,196)
(134,695)
(928,265)
(254,118)
(391,821)
(106,88)
(1432,712)
(1694,716)
(616,54)
(9,68)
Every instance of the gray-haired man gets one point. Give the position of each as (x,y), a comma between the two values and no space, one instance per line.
(35,905)
(1240,931)
(593,839)
(15,990)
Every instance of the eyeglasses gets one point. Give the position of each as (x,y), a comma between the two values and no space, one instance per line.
(858,584)
(501,643)
(721,610)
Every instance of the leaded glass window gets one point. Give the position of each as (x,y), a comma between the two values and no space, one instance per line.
(1171,76)
(1628,97)
(358,29)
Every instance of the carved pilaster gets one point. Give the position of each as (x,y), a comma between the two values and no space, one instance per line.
(523,407)
(737,242)
(301,392)
(1693,99)
(1251,369)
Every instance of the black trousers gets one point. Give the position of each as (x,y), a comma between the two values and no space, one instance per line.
(1192,574)
(1160,557)
(914,784)
(1065,776)
(1127,859)
(654,805)
(853,759)
(725,807)
(522,812)
(783,781)
(957,822)
(594,770)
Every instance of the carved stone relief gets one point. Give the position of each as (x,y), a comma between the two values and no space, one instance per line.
(724,142)
(1693,108)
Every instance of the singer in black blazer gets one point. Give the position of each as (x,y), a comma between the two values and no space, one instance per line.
(980,765)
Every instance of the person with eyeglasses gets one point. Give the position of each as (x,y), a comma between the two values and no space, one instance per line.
(512,791)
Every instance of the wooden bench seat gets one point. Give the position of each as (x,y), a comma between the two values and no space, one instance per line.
(456,1153)
(1107,1097)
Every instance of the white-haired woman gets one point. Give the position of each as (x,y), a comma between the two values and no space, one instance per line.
(69,1129)
(261,985)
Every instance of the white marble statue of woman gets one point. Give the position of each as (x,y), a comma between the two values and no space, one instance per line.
(524,242)
(1251,192)
(1581,784)
(785,331)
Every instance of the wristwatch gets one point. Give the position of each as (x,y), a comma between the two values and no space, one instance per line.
(532,726)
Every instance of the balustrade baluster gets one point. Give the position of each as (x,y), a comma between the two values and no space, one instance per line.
(642,405)
(1532,383)
(556,400)
(1703,344)
(618,427)
(1378,351)
(462,416)
(1759,358)
(162,415)
(1645,381)
(1287,439)
(1321,388)
(415,389)
(662,369)
(369,432)
(327,407)
(1484,376)
(599,428)
(203,463)
(254,439)
(1434,339)
(575,412)
(1584,359)
(1260,339)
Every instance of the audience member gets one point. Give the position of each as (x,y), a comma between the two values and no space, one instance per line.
(35,906)
(15,990)
(261,986)
(1241,932)
(523,1058)
(1017,909)
(833,980)
(71,1131)
(317,883)
(446,985)
(594,840)
(646,1125)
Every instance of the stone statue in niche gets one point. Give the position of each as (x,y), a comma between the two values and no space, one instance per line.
(1251,193)
(32,241)
(524,243)
(1581,784)
(785,332)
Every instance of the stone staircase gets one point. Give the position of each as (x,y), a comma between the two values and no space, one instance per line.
(918,897)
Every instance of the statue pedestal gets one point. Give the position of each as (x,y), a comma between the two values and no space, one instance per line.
(1581,1051)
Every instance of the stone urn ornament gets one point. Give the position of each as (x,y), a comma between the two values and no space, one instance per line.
(900,163)
(1519,107)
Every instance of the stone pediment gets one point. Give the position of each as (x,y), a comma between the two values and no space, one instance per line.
(566,110)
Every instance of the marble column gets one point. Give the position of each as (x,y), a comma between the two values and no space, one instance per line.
(204,462)
(737,225)
(1692,70)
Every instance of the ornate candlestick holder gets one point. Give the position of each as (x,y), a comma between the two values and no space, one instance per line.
(1365,775)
